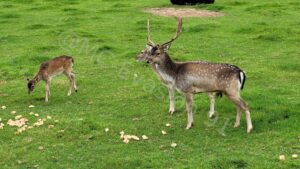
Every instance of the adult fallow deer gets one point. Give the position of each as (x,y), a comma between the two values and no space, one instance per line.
(195,77)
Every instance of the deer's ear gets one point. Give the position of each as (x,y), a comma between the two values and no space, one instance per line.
(149,47)
(166,47)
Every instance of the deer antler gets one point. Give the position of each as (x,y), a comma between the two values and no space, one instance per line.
(178,31)
(150,42)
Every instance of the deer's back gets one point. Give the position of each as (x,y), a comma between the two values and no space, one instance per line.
(56,66)
(205,76)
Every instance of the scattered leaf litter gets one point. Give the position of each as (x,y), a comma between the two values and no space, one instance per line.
(144,137)
(295,156)
(282,157)
(173,145)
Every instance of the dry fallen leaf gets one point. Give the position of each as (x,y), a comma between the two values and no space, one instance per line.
(50,126)
(49,117)
(168,124)
(17,133)
(294,156)
(18,117)
(122,133)
(144,137)
(19,122)
(282,157)
(41,148)
(126,141)
(31,113)
(31,106)
(106,130)
(163,132)
(13,112)
(36,115)
(135,137)
(0,119)
(1,125)
(3,107)
(56,121)
(39,122)
(173,145)
(29,127)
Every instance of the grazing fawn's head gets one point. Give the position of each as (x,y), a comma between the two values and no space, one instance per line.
(31,85)
(155,53)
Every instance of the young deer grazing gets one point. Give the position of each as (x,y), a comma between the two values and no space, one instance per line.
(195,77)
(48,70)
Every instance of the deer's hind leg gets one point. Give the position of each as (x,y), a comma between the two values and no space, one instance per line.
(241,105)
(73,81)
(68,73)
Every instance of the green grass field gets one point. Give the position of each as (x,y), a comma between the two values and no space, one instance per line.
(116,92)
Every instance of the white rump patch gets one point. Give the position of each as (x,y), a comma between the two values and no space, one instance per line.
(242,79)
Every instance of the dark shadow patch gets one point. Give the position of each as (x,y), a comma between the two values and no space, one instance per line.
(46,48)
(238,3)
(104,48)
(120,5)
(201,28)
(245,30)
(9,38)
(86,35)
(23,1)
(270,38)
(37,26)
(214,7)
(262,23)
(239,164)
(41,8)
(39,99)
(10,16)
(7,6)
(73,11)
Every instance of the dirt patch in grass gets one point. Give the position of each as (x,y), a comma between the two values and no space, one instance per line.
(187,12)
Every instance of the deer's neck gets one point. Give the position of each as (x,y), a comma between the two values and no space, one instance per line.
(38,77)
(166,69)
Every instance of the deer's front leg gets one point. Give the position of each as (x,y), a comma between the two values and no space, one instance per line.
(171,95)
(47,91)
(212,104)
(189,106)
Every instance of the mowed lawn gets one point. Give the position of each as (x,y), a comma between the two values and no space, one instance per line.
(116,92)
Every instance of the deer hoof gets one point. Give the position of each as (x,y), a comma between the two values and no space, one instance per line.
(171,111)
(249,129)
(189,126)
(236,125)
(211,115)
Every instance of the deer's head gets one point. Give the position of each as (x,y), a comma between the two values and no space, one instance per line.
(31,85)
(155,53)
